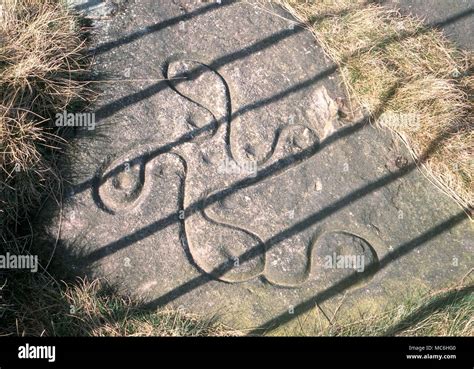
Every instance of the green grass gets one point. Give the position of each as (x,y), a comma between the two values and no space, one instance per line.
(43,307)
(444,313)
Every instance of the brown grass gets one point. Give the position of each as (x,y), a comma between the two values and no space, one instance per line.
(86,308)
(379,52)
(42,61)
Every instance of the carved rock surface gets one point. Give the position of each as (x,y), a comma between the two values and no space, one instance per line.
(221,179)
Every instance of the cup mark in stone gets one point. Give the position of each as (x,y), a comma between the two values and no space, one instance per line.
(127,182)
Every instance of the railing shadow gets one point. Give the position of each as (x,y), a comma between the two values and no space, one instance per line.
(350,281)
(117,105)
(266,173)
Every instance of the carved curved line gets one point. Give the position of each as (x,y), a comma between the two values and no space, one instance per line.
(105,167)
(310,257)
(181,200)
(323,231)
(281,133)
(102,170)
(263,275)
(228,146)
(252,235)
(96,183)
(229,137)
(228,108)
(307,270)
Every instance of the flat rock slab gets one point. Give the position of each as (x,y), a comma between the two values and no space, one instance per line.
(222,179)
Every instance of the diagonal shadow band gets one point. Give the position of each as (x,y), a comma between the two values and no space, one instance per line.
(351,280)
(208,8)
(355,195)
(453,18)
(160,26)
(87,5)
(183,18)
(270,171)
(437,304)
(121,103)
(266,173)
(188,137)
(254,251)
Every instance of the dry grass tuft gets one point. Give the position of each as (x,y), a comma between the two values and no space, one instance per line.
(102,313)
(43,71)
(42,62)
(43,68)
(87,308)
(447,312)
(419,81)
